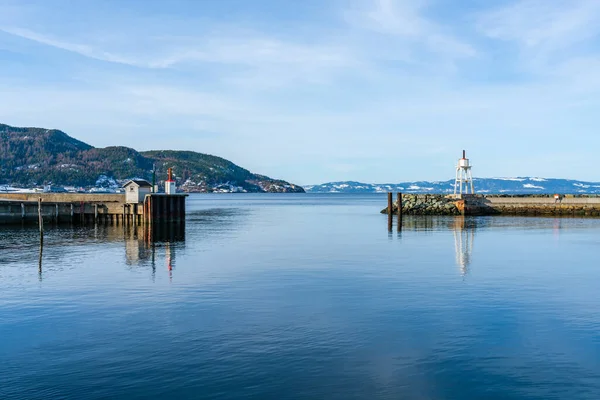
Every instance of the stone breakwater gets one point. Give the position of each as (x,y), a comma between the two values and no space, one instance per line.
(564,205)
(426,204)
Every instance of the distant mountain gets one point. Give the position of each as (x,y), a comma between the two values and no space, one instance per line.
(482,185)
(35,156)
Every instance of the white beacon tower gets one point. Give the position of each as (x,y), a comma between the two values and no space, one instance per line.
(463,177)
(170,183)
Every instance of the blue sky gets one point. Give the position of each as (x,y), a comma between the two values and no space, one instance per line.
(316,90)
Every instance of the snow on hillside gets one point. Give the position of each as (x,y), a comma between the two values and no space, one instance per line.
(505,185)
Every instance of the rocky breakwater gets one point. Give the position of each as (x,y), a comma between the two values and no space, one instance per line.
(426,204)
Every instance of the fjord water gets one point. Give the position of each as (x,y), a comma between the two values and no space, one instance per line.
(303,297)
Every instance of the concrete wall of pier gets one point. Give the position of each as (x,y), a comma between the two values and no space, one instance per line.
(65,197)
(431,204)
(24,208)
(533,205)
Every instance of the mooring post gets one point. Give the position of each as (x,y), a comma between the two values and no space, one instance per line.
(133,210)
(40,258)
(150,210)
(96,213)
(390,212)
(56,214)
(144,210)
(22,210)
(147,210)
(399,200)
(40,219)
(399,195)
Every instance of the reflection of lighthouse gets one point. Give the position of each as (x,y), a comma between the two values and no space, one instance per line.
(169,259)
(463,244)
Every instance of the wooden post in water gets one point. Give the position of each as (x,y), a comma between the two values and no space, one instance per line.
(150,212)
(96,213)
(40,258)
(22,210)
(399,195)
(390,211)
(40,220)
(147,201)
(145,210)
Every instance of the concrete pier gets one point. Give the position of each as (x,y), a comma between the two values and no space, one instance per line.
(568,205)
(75,208)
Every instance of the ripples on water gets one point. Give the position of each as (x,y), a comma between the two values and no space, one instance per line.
(303,297)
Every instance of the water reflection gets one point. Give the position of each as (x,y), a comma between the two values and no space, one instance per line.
(464,235)
(143,244)
(140,249)
(40,259)
(140,242)
(463,229)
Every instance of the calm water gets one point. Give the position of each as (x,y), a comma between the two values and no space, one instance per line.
(304,297)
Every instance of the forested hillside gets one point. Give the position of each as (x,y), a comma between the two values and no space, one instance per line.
(35,156)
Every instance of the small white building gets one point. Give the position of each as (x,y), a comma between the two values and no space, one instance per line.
(136,190)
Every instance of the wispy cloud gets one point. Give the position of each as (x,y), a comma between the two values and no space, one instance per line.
(554,40)
(543,25)
(382,82)
(265,60)
(398,17)
(406,21)
(81,49)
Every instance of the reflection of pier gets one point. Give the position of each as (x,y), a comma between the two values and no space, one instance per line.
(142,242)
(141,246)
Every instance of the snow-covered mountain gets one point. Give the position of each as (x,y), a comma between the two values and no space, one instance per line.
(482,185)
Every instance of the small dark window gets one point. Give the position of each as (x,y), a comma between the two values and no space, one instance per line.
(131,188)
